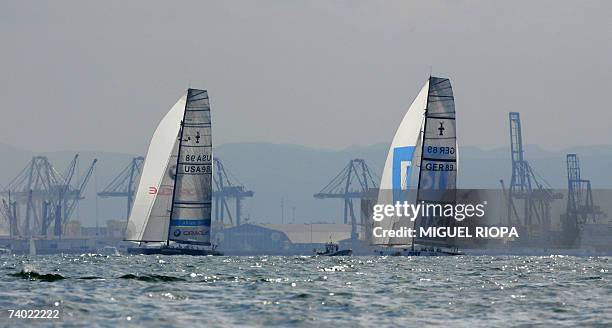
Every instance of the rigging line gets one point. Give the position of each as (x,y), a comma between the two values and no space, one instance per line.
(178,156)
(449,87)
(439,82)
(96,203)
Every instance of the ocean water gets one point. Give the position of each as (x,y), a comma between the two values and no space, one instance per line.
(262,291)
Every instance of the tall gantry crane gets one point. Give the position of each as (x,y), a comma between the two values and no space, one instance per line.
(529,195)
(78,191)
(46,196)
(8,211)
(353,182)
(225,189)
(125,183)
(580,206)
(61,204)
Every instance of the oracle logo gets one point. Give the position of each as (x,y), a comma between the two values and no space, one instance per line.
(193,233)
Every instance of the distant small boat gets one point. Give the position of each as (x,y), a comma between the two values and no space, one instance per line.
(333,249)
(171,214)
(109,251)
(5,251)
(32,247)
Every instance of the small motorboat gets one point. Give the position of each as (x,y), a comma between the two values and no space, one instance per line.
(333,249)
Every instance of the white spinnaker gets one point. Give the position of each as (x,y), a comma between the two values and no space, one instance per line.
(399,161)
(154,169)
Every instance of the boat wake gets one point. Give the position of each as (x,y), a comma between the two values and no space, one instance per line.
(35,276)
(51,277)
(151,278)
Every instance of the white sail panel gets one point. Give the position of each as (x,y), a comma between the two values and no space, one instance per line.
(404,143)
(159,217)
(154,169)
(400,167)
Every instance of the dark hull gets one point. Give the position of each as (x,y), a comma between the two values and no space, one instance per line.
(428,253)
(172,251)
(421,253)
(344,252)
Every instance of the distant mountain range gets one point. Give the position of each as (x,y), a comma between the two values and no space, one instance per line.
(293,173)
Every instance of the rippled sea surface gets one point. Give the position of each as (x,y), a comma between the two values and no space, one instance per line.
(312,291)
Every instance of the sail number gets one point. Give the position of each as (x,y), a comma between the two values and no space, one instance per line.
(442,167)
(441,150)
(197,168)
(206,158)
(198,164)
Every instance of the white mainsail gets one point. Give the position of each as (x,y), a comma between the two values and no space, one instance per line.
(152,190)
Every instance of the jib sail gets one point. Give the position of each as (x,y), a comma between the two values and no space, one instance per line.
(400,175)
(150,214)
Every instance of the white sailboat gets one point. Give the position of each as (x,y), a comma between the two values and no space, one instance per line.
(421,166)
(32,246)
(171,214)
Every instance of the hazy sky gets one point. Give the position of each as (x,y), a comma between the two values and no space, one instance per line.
(99,75)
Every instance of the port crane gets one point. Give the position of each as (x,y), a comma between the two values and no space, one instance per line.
(353,182)
(581,208)
(8,210)
(78,191)
(529,195)
(45,195)
(125,183)
(225,189)
(61,201)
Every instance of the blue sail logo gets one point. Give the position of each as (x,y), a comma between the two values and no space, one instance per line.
(401,157)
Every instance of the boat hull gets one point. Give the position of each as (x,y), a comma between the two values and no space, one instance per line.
(344,252)
(416,252)
(172,251)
